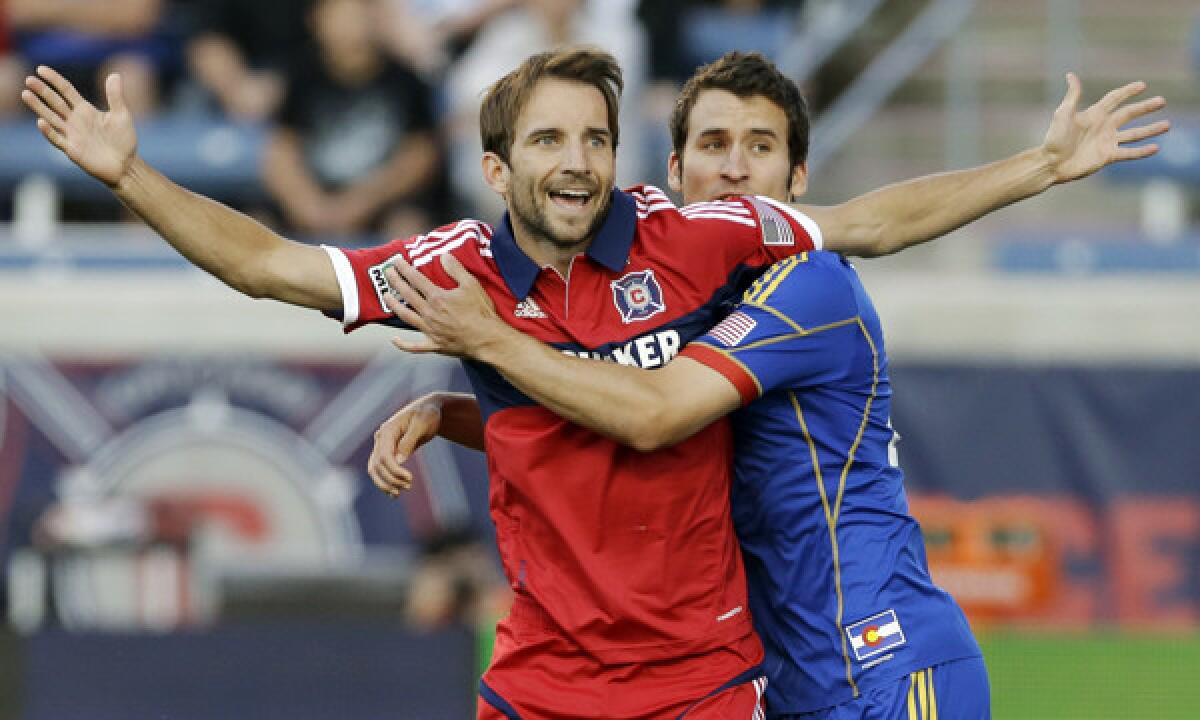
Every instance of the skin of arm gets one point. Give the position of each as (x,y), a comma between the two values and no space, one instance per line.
(1077,144)
(645,410)
(289,181)
(454,416)
(237,250)
(220,67)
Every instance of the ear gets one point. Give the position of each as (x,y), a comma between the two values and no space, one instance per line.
(799,184)
(675,172)
(496,173)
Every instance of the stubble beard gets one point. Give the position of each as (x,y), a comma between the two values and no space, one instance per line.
(532,217)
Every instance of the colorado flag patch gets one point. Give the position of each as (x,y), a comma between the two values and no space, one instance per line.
(875,634)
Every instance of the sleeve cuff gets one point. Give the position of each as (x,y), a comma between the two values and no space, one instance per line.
(735,372)
(810,226)
(345,278)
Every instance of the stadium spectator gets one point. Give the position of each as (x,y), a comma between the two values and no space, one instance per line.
(354,149)
(430,34)
(87,40)
(11,70)
(241,52)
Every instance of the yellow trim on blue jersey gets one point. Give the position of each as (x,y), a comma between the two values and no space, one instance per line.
(831,523)
(912,701)
(862,428)
(932,695)
(770,280)
(728,355)
(923,695)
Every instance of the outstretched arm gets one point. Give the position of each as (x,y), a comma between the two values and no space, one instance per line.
(643,409)
(1077,144)
(239,251)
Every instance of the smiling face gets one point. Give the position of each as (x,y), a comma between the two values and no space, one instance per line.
(561,166)
(735,146)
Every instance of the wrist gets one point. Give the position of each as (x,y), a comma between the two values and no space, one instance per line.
(1043,167)
(493,346)
(130,178)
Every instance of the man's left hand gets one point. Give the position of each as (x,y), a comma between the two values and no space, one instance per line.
(1080,142)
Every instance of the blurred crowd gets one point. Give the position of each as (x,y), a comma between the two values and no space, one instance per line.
(371,105)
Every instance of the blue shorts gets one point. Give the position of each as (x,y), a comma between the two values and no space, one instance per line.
(957,690)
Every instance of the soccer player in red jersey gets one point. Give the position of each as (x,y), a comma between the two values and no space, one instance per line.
(629,588)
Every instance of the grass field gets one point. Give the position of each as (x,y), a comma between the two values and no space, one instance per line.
(1093,677)
(1100,676)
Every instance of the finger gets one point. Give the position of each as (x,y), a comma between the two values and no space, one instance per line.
(1118,96)
(1137,110)
(47,95)
(112,92)
(55,137)
(383,482)
(415,278)
(1141,133)
(62,85)
(1135,153)
(404,313)
(404,289)
(419,431)
(416,346)
(35,103)
(1071,99)
(456,271)
(411,303)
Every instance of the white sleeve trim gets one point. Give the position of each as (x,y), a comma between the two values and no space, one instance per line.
(810,226)
(345,278)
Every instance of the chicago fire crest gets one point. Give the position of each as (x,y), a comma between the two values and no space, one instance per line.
(638,296)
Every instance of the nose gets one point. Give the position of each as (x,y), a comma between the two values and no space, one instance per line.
(734,167)
(574,159)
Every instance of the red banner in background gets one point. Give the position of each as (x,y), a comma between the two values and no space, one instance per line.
(1060,562)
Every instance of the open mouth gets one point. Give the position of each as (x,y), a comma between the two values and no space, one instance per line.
(573,199)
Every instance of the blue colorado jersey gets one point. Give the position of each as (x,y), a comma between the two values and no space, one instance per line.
(839,585)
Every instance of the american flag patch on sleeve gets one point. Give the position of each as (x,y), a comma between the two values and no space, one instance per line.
(733,329)
(776,230)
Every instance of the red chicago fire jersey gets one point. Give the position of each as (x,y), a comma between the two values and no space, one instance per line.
(631,555)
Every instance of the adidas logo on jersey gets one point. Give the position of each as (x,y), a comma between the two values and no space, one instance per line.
(529,309)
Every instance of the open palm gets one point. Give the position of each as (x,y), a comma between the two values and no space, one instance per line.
(1082,142)
(102,143)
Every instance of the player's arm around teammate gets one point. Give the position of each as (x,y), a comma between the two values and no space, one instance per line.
(239,251)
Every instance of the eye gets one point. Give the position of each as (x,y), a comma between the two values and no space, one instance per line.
(762,147)
(598,141)
(713,144)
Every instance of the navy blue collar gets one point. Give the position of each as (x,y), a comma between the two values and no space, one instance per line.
(610,247)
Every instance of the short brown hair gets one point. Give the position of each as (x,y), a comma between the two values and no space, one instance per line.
(745,75)
(507,97)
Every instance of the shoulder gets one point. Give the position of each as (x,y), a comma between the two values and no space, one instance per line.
(466,239)
(813,289)
(656,207)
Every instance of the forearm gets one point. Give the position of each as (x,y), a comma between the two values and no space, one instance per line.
(288,179)
(231,246)
(905,214)
(620,402)
(462,421)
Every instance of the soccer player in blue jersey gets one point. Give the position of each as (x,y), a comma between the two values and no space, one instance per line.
(839,587)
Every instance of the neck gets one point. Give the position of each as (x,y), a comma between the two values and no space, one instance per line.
(352,68)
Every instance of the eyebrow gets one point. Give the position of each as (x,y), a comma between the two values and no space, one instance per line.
(724,131)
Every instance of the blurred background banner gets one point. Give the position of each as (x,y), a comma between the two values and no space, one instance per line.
(186,525)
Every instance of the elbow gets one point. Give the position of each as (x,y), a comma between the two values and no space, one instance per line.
(653,432)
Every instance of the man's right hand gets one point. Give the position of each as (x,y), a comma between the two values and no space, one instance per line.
(397,439)
(104,144)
